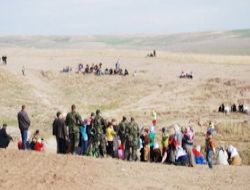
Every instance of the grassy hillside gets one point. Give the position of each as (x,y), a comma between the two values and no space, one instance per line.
(224,42)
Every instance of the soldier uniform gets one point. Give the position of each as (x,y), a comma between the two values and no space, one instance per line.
(121,130)
(100,127)
(132,139)
(73,121)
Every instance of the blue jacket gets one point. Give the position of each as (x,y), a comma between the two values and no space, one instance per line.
(83,131)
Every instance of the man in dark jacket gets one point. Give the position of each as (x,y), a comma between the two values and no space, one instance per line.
(61,133)
(55,127)
(4,137)
(24,123)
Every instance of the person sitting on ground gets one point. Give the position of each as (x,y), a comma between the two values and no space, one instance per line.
(189,75)
(181,158)
(106,71)
(34,139)
(234,157)
(39,146)
(233,108)
(199,158)
(111,71)
(241,108)
(4,137)
(156,153)
(126,72)
(87,70)
(222,156)
(222,108)
(182,74)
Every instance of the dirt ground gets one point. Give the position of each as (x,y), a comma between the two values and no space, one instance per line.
(30,170)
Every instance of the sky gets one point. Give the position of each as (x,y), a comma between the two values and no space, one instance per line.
(90,17)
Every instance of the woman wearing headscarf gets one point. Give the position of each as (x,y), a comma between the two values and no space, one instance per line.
(222,156)
(234,157)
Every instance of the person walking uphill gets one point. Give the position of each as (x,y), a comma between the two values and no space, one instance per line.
(73,121)
(24,124)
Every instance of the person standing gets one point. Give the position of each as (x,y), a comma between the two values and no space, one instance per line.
(121,129)
(73,121)
(84,137)
(100,128)
(24,124)
(210,149)
(110,134)
(55,128)
(132,140)
(152,141)
(61,134)
(188,139)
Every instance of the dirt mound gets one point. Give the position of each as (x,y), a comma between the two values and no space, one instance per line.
(50,171)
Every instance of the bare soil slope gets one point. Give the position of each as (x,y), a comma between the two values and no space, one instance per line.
(31,170)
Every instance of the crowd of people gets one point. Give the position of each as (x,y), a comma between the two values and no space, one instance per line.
(98,137)
(98,70)
(226,109)
(152,54)
(188,75)
(95,136)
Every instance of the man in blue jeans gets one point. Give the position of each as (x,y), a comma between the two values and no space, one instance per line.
(23,123)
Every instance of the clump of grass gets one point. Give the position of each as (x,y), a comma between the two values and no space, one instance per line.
(241,129)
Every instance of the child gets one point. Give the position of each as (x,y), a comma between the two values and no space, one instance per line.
(210,149)
(34,140)
(39,146)
(120,151)
(110,133)
(84,137)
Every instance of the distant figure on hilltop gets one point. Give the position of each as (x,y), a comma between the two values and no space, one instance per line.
(23,123)
(154,53)
(4,59)
(23,71)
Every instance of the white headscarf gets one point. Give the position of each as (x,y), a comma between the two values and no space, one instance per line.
(156,146)
(233,151)
(176,128)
